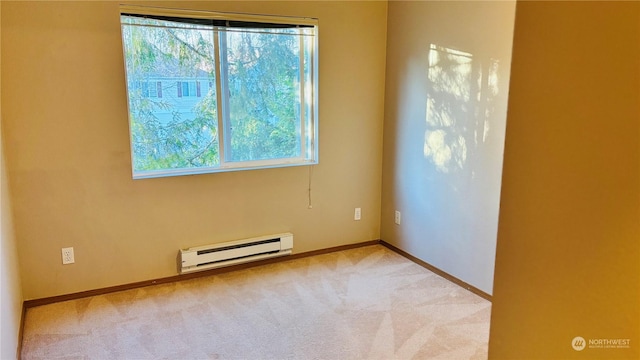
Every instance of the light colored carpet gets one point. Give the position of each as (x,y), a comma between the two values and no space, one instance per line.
(365,303)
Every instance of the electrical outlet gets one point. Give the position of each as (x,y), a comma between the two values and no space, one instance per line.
(357,215)
(398,218)
(67,256)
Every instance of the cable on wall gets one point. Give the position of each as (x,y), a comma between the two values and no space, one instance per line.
(310,176)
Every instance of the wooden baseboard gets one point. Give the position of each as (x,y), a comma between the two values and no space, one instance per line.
(434,269)
(54,299)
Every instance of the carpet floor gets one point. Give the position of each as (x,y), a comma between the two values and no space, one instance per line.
(364,303)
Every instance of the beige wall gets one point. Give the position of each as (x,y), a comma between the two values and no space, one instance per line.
(444,132)
(67,149)
(10,287)
(568,252)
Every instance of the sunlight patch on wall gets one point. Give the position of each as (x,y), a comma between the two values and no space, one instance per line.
(457,108)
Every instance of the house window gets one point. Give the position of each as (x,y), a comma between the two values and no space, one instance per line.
(145,89)
(150,89)
(188,88)
(244,97)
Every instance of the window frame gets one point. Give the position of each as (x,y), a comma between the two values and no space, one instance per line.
(308,104)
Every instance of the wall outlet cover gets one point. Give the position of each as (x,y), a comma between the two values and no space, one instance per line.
(67,256)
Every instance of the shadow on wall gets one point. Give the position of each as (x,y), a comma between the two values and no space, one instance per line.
(460,103)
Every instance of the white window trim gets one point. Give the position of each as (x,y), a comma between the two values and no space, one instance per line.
(311,124)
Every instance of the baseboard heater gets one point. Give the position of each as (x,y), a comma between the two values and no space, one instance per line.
(235,252)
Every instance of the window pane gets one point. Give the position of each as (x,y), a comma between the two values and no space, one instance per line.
(264,94)
(151,89)
(255,79)
(174,130)
(309,94)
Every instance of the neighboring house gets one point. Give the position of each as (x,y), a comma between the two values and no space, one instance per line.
(174,94)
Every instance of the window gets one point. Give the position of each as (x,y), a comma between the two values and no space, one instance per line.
(212,92)
(188,88)
(145,89)
(151,89)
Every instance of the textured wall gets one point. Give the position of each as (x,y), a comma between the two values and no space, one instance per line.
(445,113)
(568,254)
(68,156)
(10,287)
(10,290)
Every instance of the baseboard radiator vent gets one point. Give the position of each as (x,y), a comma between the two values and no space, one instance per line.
(235,252)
